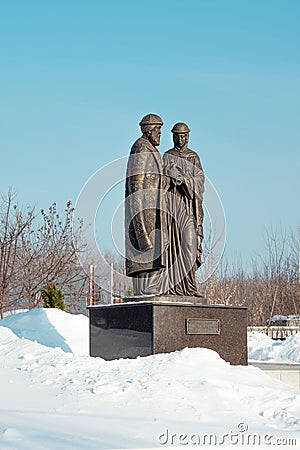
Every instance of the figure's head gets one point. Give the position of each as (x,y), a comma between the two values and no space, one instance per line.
(180,134)
(151,128)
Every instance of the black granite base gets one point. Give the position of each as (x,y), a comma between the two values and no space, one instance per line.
(128,330)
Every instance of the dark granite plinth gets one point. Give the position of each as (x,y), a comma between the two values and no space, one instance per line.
(145,328)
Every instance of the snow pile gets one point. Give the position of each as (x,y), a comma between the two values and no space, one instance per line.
(52,328)
(262,348)
(53,396)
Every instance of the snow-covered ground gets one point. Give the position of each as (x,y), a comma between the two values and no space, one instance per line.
(54,396)
(262,348)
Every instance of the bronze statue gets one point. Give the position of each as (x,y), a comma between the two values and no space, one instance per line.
(185,218)
(145,237)
(163,213)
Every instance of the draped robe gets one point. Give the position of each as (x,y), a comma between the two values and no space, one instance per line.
(184,220)
(145,222)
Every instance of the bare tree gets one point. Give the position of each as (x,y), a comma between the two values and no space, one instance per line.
(13,224)
(268,288)
(49,254)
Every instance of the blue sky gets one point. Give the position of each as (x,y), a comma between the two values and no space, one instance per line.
(77,76)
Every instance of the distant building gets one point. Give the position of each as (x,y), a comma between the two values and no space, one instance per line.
(292,320)
(277,320)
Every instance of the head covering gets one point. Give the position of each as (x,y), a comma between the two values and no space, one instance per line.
(151,119)
(180,127)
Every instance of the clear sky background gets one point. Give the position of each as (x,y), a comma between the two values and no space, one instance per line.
(77,76)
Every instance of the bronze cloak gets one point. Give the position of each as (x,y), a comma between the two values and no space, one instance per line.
(144,210)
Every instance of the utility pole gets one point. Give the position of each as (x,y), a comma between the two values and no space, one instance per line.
(111,282)
(91,296)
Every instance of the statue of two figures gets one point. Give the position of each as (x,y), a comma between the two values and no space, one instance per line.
(163,213)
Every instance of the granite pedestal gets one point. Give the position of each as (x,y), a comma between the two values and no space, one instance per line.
(143,328)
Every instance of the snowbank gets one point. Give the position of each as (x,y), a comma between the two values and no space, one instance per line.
(53,328)
(53,396)
(262,348)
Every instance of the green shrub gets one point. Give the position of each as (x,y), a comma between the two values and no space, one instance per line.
(53,297)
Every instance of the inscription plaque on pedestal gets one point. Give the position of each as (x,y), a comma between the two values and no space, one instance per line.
(202,326)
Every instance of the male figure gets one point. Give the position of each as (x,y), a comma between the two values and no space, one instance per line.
(185,217)
(145,239)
